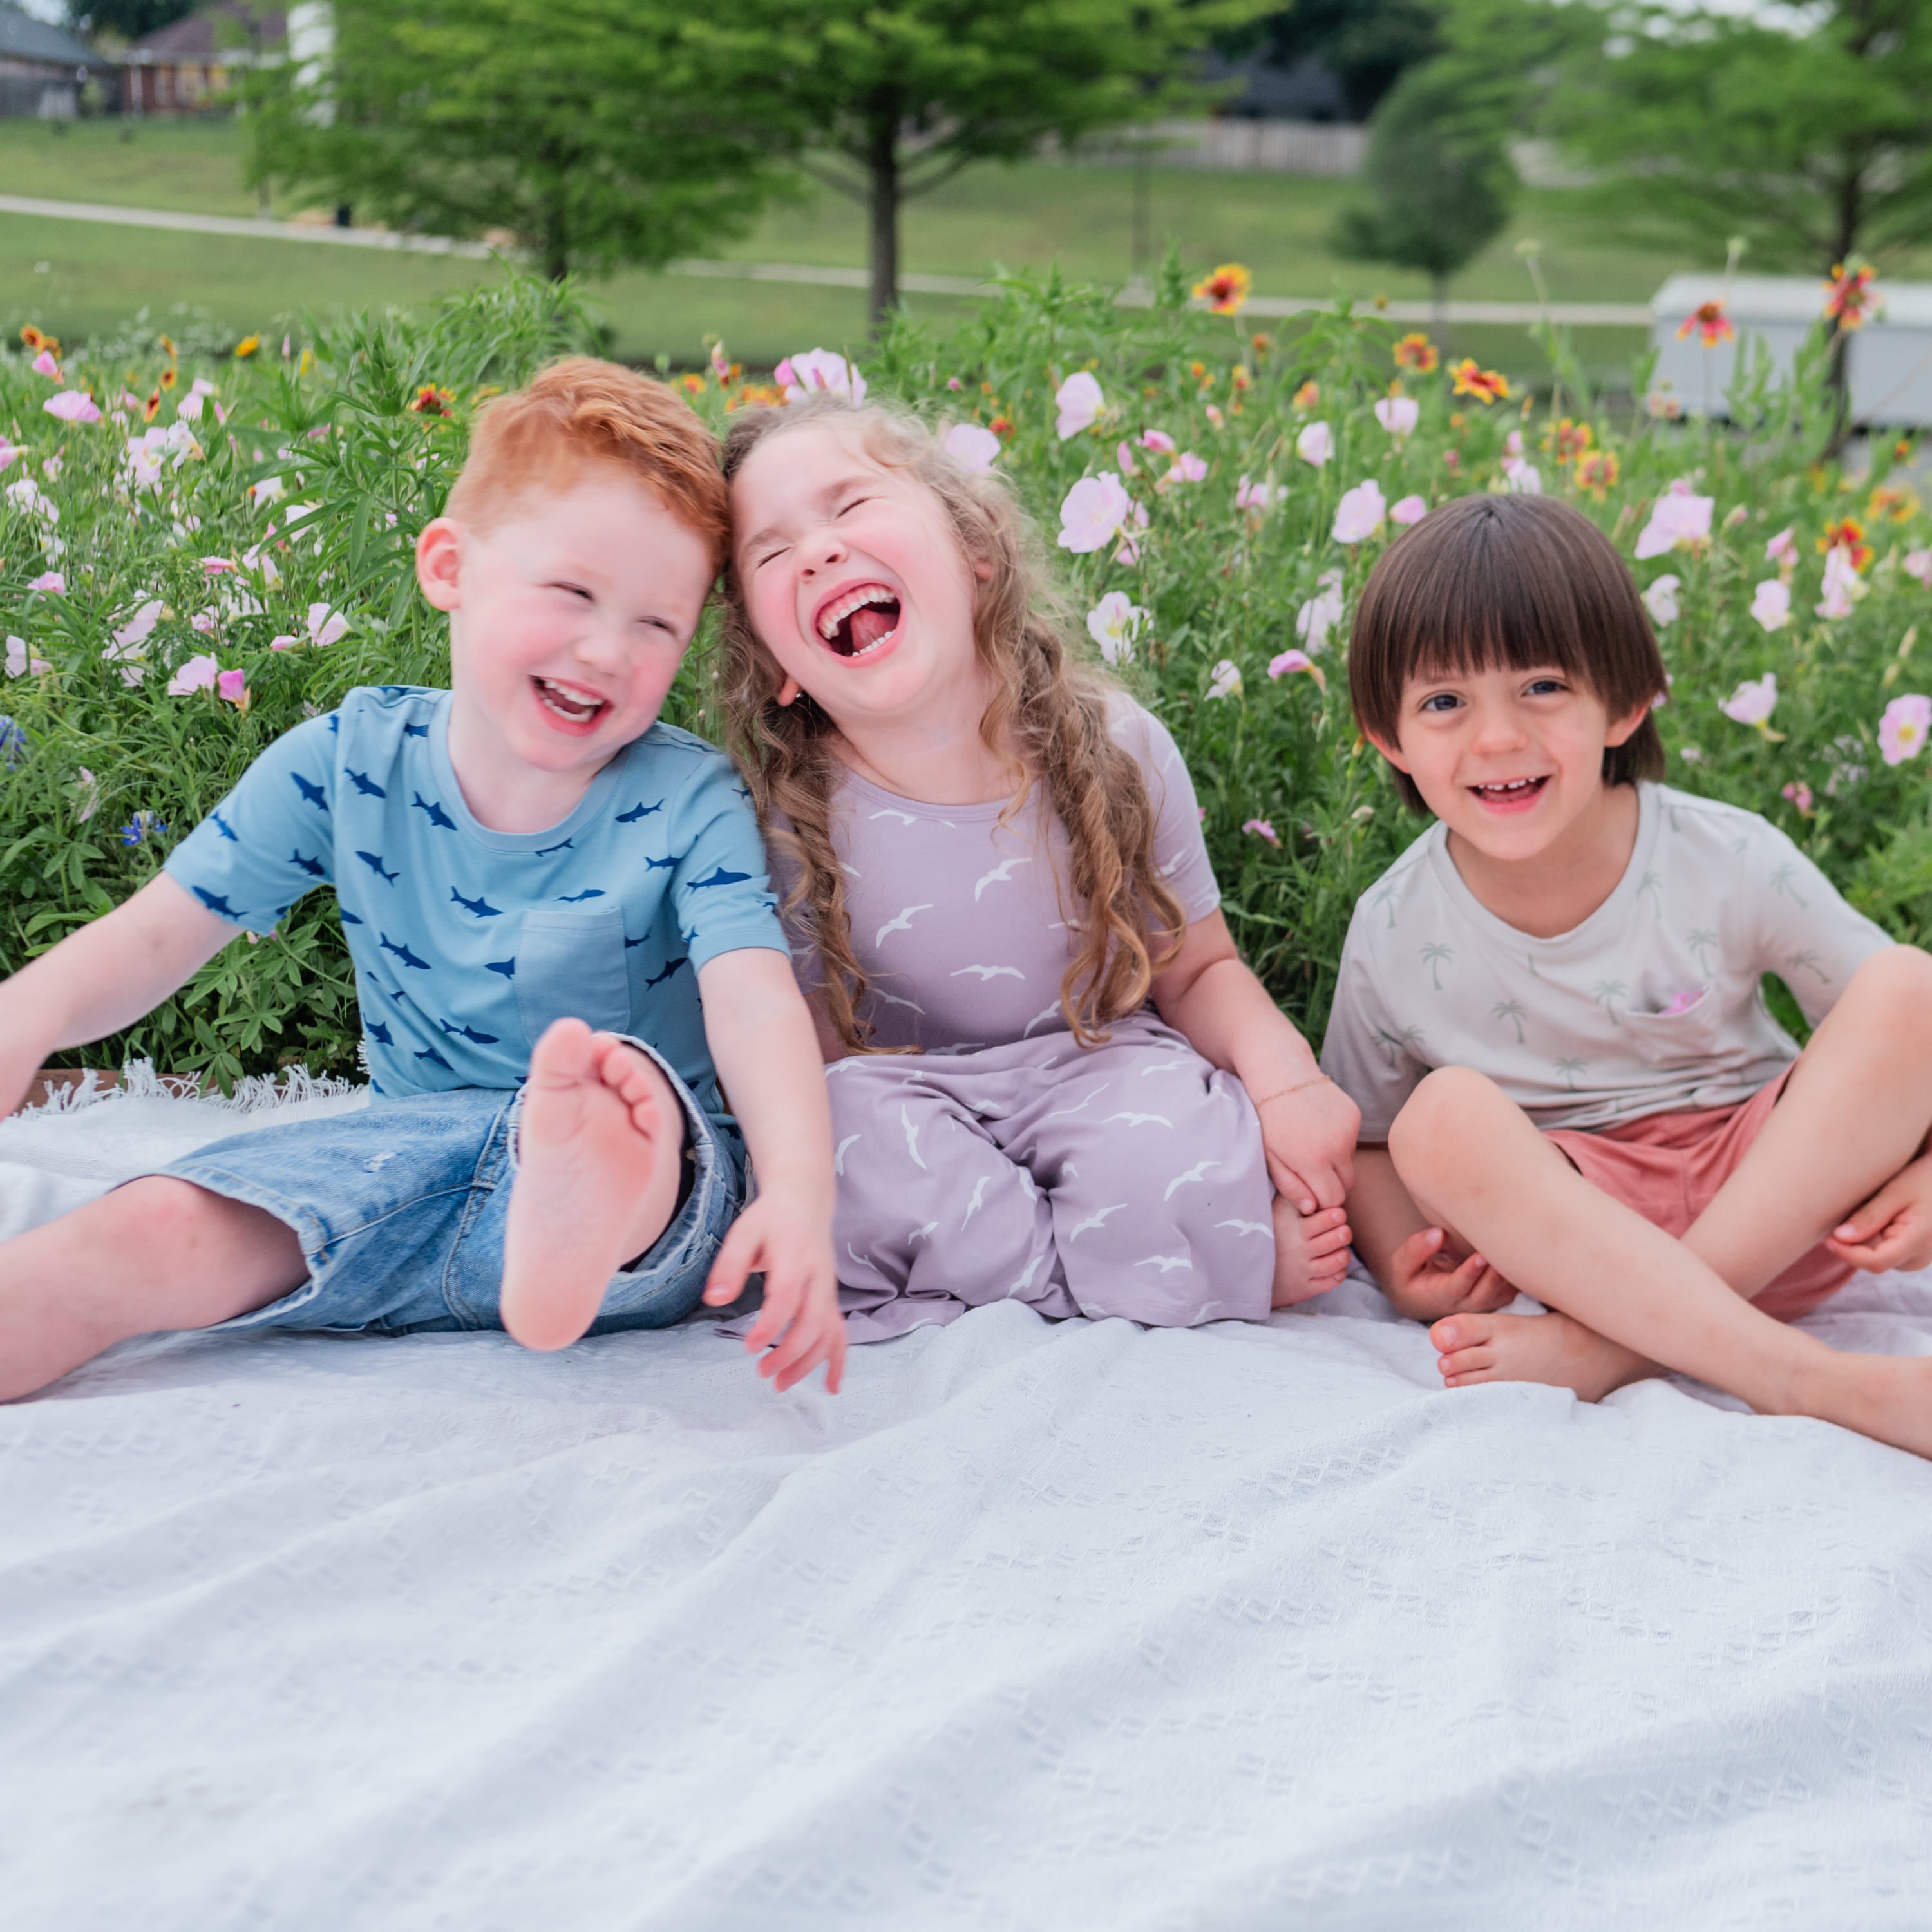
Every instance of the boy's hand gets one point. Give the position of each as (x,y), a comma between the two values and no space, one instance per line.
(1426,1283)
(800,1324)
(1894,1228)
(1310,1139)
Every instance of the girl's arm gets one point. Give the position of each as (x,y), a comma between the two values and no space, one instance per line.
(767,1055)
(1208,993)
(113,971)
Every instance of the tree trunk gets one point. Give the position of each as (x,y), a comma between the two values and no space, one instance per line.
(882,170)
(1438,303)
(1851,212)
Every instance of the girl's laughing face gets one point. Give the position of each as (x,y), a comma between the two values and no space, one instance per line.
(853,578)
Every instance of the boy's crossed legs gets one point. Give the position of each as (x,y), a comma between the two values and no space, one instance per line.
(1628,1296)
(600,1145)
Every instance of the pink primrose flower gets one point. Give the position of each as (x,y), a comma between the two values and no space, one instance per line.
(1186,468)
(1800,795)
(970,446)
(1258,496)
(1079,403)
(1752,701)
(1771,603)
(1321,612)
(1902,730)
(233,686)
(52,582)
(1844,586)
(1316,444)
(1158,440)
(819,369)
(199,673)
(1261,828)
(1360,513)
(1678,518)
(1398,414)
(1225,680)
(1660,599)
(1092,511)
(1408,510)
(326,626)
(1113,624)
(1915,563)
(73,406)
(1783,548)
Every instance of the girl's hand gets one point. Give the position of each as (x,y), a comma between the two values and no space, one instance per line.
(1894,1228)
(1310,1137)
(1426,1283)
(800,1324)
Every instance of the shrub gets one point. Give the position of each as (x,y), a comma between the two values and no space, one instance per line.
(286,509)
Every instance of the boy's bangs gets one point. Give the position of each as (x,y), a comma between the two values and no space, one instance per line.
(1495,617)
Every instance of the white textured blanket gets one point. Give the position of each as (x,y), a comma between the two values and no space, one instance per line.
(1067,1627)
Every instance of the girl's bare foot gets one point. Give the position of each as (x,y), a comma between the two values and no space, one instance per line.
(1548,1347)
(1311,1252)
(1887,1397)
(599,1143)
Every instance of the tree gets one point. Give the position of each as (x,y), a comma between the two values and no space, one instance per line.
(895,97)
(1366,44)
(595,131)
(1440,176)
(1811,139)
(129,19)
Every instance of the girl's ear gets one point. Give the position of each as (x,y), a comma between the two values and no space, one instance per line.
(438,563)
(788,691)
(1623,729)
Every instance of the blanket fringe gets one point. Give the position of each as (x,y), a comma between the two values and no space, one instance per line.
(255,1094)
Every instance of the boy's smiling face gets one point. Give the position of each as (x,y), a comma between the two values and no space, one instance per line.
(569,617)
(1510,761)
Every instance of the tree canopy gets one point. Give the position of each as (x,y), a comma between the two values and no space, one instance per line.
(1366,44)
(1810,135)
(891,97)
(594,131)
(129,18)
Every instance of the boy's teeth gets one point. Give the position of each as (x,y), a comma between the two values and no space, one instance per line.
(569,704)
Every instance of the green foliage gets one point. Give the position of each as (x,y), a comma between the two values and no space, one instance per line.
(130,19)
(1223,584)
(904,94)
(1366,44)
(1440,177)
(595,132)
(1808,134)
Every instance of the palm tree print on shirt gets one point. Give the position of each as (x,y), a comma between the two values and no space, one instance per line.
(1780,882)
(1570,1068)
(1514,1012)
(1700,942)
(1652,883)
(1809,961)
(1609,992)
(1433,955)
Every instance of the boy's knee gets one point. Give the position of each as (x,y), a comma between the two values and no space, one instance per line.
(1434,1124)
(167,1211)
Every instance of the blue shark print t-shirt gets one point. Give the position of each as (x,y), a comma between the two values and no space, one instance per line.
(468,942)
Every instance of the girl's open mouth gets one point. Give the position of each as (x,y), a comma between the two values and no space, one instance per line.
(857,623)
(1511,794)
(578,710)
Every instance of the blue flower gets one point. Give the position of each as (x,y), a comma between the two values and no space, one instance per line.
(13,742)
(142,826)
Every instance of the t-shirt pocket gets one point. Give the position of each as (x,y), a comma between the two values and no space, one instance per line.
(570,965)
(1686,1037)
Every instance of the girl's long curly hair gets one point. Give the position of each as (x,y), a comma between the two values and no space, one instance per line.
(1049,715)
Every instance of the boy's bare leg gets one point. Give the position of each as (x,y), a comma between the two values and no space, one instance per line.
(1854,1111)
(599,1142)
(158,1253)
(1520,1203)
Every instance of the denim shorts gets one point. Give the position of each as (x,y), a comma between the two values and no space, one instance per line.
(399,1209)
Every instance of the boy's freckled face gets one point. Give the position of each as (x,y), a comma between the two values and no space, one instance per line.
(570,617)
(851,573)
(1510,761)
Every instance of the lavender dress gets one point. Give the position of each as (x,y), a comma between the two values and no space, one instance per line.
(1003,1161)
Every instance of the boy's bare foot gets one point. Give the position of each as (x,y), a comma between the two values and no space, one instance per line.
(599,1143)
(1548,1347)
(1311,1251)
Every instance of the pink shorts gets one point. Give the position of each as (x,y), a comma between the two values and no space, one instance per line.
(1669,1166)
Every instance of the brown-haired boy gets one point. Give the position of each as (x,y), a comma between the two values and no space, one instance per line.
(518,860)
(1549,1011)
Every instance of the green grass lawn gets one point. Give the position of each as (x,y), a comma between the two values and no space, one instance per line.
(77,279)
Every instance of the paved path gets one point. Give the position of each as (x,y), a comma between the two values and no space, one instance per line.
(1620,315)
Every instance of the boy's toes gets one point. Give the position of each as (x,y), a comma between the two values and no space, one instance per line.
(1465,1365)
(567,1053)
(1461,1331)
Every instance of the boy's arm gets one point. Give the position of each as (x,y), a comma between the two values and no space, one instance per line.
(1208,992)
(113,971)
(1410,1258)
(768,1059)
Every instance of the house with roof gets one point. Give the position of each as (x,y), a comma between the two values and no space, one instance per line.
(43,68)
(191,65)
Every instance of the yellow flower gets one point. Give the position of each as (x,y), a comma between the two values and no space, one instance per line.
(1309,396)
(173,353)
(247,346)
(1417,353)
(1225,291)
(429,401)
(1486,385)
(168,378)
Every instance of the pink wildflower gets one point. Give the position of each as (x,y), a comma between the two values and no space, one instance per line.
(1261,828)
(1902,730)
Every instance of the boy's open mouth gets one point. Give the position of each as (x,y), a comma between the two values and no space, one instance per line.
(574,706)
(857,622)
(1508,792)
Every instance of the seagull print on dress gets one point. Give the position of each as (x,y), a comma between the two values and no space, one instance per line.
(986,973)
(902,923)
(999,875)
(1193,1174)
(1098,1219)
